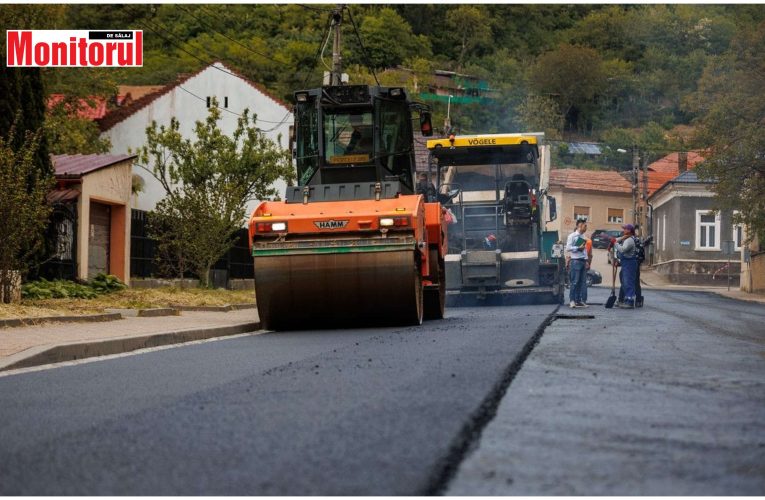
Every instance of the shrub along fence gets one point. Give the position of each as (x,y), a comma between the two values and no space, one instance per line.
(235,265)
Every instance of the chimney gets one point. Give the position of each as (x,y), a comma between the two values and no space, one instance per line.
(682,162)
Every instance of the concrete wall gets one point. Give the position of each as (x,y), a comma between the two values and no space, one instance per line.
(130,134)
(688,272)
(599,204)
(110,185)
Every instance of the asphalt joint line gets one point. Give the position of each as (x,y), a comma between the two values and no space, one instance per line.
(574,316)
(470,434)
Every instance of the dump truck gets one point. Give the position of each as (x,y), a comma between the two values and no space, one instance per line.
(495,189)
(351,243)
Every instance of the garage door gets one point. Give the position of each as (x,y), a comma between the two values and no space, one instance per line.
(98,239)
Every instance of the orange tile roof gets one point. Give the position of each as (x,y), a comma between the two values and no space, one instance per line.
(93,111)
(655,180)
(589,180)
(138,91)
(665,169)
(669,164)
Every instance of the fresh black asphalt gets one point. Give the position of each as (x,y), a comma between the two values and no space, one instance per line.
(334,412)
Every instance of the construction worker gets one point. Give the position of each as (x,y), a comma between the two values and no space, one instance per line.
(588,249)
(626,251)
(575,246)
(425,188)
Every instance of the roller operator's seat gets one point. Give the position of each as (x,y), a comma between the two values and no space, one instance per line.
(518,198)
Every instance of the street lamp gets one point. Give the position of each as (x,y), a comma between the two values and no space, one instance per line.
(448,121)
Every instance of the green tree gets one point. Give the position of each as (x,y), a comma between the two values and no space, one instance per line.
(573,76)
(377,30)
(68,133)
(24,188)
(22,90)
(471,29)
(207,183)
(731,108)
(541,113)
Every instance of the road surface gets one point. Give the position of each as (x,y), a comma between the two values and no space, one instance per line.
(350,412)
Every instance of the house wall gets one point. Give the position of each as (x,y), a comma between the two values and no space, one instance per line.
(678,258)
(599,204)
(753,272)
(757,270)
(111,186)
(130,134)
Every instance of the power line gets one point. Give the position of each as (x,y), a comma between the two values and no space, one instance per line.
(363,49)
(318,52)
(315,9)
(205,100)
(228,37)
(208,63)
(149,25)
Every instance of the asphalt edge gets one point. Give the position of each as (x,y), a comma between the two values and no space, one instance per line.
(74,351)
(446,468)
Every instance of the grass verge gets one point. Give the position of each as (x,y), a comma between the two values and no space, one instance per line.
(126,299)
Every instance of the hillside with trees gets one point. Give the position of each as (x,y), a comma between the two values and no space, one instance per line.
(606,70)
(616,74)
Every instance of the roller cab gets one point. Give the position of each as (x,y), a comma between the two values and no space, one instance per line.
(352,243)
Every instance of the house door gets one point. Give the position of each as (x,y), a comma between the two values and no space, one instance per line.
(98,240)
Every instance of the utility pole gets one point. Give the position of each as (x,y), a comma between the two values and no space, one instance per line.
(337,60)
(448,120)
(635,168)
(644,220)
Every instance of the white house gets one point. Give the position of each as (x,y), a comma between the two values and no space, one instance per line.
(188,100)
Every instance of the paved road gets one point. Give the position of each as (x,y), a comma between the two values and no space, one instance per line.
(664,400)
(373,411)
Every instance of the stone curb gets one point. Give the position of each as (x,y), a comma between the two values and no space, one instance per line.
(44,355)
(145,313)
(225,308)
(90,318)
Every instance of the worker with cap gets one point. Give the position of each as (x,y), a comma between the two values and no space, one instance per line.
(626,251)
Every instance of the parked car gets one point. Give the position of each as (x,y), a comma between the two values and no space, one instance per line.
(593,278)
(601,237)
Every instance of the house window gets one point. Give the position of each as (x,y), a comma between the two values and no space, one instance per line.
(581,213)
(615,215)
(738,234)
(707,230)
(664,233)
(225,102)
(208,101)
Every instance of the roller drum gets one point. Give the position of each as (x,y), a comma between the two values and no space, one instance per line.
(338,289)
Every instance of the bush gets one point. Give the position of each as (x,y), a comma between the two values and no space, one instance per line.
(63,289)
(106,283)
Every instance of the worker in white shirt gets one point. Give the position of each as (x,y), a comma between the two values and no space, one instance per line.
(575,246)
